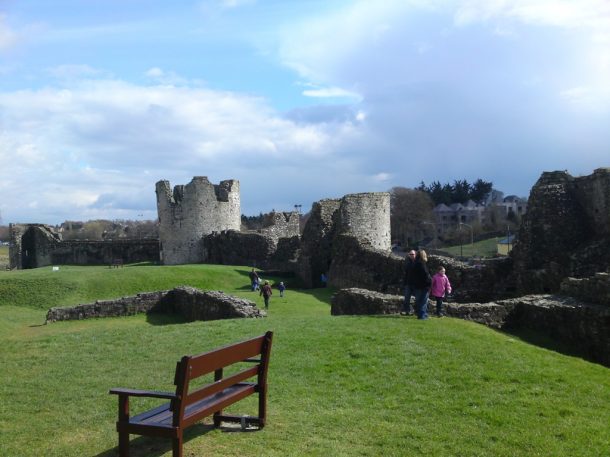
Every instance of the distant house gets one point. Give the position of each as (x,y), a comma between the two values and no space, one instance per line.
(505,245)
(449,217)
(513,204)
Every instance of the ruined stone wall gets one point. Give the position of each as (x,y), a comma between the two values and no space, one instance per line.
(79,252)
(566,231)
(252,249)
(193,304)
(593,194)
(281,225)
(36,245)
(358,265)
(32,245)
(192,211)
(364,218)
(595,289)
(316,243)
(125,306)
(14,250)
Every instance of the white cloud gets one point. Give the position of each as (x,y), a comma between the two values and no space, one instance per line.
(69,72)
(382,177)
(164,77)
(332,92)
(84,150)
(8,37)
(593,14)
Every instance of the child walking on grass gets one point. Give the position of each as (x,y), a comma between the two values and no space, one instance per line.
(440,287)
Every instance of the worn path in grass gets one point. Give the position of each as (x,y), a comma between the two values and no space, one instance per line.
(340,386)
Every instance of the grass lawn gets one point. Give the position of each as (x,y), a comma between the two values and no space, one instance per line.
(483,248)
(338,386)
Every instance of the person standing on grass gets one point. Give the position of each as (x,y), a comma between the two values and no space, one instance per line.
(266,292)
(282,288)
(254,279)
(409,289)
(440,287)
(421,284)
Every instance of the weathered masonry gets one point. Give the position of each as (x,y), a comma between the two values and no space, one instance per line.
(190,212)
(37,245)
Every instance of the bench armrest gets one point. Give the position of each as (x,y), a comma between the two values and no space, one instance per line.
(143,393)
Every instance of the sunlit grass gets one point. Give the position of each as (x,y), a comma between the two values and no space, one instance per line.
(339,386)
(483,248)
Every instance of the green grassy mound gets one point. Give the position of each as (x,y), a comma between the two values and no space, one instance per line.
(338,386)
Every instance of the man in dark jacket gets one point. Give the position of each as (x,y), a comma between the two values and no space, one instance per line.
(408,282)
(420,276)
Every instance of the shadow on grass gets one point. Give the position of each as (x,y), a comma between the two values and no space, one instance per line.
(164,319)
(145,446)
(547,342)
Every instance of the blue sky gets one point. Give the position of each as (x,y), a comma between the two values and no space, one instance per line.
(299,101)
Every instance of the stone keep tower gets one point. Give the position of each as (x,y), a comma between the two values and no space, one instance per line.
(366,216)
(192,211)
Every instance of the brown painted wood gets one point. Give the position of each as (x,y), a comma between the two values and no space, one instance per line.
(188,407)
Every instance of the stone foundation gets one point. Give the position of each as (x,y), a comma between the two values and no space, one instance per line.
(199,305)
(125,306)
(595,289)
(193,304)
(361,301)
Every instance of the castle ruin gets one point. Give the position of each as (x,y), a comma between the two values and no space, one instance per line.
(192,211)
(566,231)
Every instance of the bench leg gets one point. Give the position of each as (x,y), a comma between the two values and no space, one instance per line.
(217,420)
(123,444)
(177,446)
(262,406)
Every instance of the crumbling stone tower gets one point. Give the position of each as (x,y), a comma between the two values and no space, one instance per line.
(192,211)
(565,232)
(364,217)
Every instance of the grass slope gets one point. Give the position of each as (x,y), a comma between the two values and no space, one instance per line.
(483,248)
(340,386)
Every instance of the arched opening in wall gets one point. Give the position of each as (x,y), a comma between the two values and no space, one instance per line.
(28,249)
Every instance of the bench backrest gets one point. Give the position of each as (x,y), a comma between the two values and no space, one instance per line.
(255,351)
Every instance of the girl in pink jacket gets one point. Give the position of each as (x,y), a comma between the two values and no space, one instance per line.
(440,286)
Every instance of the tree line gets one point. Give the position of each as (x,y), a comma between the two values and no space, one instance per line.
(459,192)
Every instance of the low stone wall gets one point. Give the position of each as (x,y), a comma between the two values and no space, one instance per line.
(356,264)
(125,306)
(361,301)
(199,305)
(193,304)
(582,325)
(595,289)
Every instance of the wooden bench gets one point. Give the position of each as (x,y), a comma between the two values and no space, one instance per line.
(188,406)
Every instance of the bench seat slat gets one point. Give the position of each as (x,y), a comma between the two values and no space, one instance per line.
(156,415)
(210,361)
(220,385)
(198,410)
